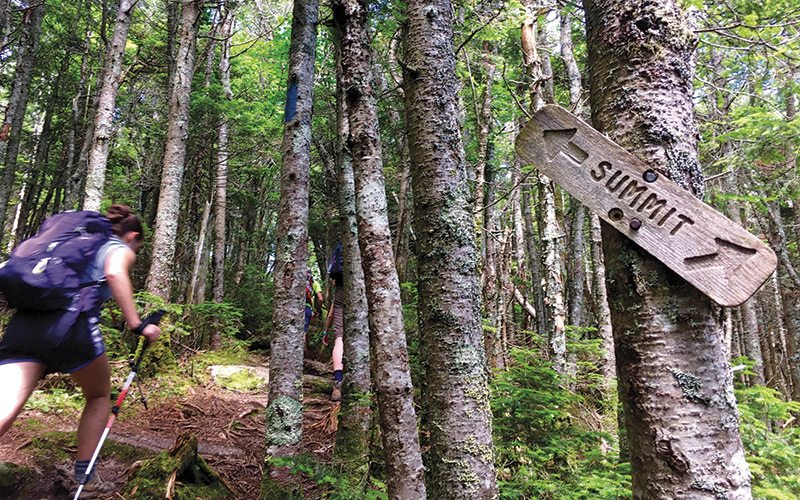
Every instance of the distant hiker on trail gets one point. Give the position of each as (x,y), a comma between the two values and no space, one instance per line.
(69,340)
(313,307)
(336,316)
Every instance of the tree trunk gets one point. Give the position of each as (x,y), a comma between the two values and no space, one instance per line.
(159,280)
(461,463)
(11,128)
(220,214)
(71,198)
(750,333)
(200,250)
(675,382)
(576,284)
(604,329)
(285,410)
(351,451)
(405,474)
(5,23)
(534,257)
(554,287)
(106,104)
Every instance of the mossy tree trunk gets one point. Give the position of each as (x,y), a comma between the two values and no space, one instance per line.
(675,381)
(404,474)
(351,452)
(461,463)
(285,409)
(159,279)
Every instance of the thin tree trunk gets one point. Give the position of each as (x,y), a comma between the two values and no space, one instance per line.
(675,381)
(405,473)
(534,257)
(220,214)
(200,250)
(106,104)
(285,410)
(554,287)
(159,280)
(575,259)
(485,153)
(605,331)
(351,451)
(751,334)
(461,462)
(11,128)
(5,23)
(71,197)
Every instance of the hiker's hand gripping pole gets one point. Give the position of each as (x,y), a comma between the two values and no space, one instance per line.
(152,319)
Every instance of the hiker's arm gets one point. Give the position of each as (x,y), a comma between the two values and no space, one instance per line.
(118,265)
(320,301)
(329,318)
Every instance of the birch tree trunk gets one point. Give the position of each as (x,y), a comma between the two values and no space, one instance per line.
(159,279)
(220,212)
(11,128)
(405,473)
(351,451)
(461,463)
(675,381)
(285,410)
(106,104)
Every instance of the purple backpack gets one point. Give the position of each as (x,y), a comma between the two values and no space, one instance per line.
(44,272)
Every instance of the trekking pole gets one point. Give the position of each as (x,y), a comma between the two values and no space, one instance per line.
(152,319)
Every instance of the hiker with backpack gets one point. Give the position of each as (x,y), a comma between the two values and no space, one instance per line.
(57,330)
(314,300)
(336,317)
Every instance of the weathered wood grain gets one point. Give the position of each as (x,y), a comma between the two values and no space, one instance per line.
(711,252)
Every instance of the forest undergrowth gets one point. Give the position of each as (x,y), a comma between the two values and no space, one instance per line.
(555,437)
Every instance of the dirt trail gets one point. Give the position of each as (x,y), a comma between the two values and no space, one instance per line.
(229,426)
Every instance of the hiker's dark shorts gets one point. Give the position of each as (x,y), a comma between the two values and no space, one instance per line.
(338,313)
(64,341)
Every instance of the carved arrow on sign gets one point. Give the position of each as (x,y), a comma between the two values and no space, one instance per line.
(713,253)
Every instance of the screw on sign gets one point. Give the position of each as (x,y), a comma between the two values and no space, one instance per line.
(716,255)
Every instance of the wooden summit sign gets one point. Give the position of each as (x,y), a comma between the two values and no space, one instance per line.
(711,252)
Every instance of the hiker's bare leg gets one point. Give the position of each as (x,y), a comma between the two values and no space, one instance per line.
(95,381)
(18,381)
(338,352)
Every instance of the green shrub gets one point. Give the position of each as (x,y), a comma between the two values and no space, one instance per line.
(771,443)
(543,448)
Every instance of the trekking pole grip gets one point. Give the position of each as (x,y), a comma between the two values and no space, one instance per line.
(153,318)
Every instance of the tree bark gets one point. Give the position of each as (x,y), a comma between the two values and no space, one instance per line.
(285,410)
(351,451)
(159,279)
(106,104)
(675,382)
(461,463)
(405,473)
(11,128)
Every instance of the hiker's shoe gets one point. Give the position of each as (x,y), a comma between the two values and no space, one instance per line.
(336,393)
(96,488)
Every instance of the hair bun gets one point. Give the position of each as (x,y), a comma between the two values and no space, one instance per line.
(117,213)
